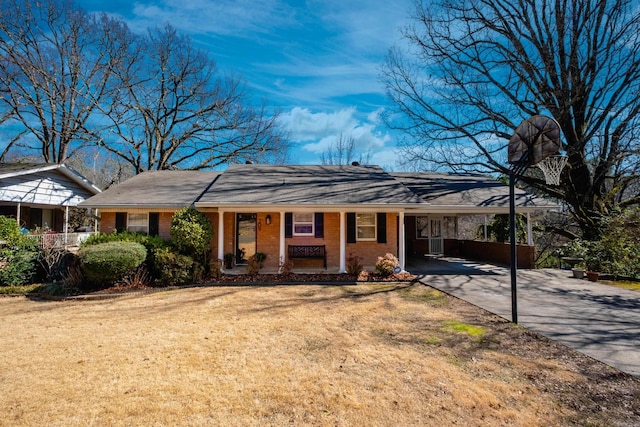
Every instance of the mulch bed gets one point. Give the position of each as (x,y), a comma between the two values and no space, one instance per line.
(293,278)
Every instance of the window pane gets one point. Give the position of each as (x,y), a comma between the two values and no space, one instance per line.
(366,219)
(303,217)
(303,229)
(366,233)
(138,222)
(422,224)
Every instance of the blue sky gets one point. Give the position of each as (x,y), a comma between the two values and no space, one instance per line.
(318,62)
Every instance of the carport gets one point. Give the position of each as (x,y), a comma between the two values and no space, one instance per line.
(432,229)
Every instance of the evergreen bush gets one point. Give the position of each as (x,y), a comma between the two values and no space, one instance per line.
(174,268)
(192,232)
(107,263)
(18,254)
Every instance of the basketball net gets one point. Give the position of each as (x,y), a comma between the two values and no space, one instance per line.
(552,167)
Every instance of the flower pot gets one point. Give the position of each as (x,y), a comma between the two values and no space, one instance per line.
(593,276)
(578,273)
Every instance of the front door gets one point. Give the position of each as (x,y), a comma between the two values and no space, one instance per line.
(245,237)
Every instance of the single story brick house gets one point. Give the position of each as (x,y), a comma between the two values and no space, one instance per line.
(313,215)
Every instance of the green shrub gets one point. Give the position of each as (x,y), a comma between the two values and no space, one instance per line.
(18,254)
(386,264)
(151,243)
(192,232)
(107,263)
(174,268)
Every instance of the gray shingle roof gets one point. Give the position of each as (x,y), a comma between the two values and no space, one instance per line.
(306,185)
(312,185)
(466,190)
(155,189)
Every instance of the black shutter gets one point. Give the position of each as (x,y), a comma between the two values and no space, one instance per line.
(382,227)
(351,227)
(121,221)
(154,223)
(288,224)
(319,225)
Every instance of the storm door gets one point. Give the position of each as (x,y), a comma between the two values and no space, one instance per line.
(435,236)
(245,237)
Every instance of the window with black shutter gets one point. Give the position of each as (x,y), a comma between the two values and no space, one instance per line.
(382,227)
(351,227)
(288,224)
(319,225)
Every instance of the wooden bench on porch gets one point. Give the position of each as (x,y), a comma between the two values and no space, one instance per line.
(308,252)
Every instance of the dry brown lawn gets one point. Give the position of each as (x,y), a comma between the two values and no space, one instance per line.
(371,354)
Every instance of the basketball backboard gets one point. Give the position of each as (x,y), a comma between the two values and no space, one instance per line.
(534,140)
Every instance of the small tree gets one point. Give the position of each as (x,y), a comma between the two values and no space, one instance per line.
(191,232)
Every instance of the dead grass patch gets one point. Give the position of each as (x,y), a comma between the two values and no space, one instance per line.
(293,355)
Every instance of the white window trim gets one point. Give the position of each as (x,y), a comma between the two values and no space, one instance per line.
(375,228)
(294,223)
(146,226)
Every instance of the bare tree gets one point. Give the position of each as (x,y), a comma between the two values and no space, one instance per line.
(343,152)
(476,69)
(175,112)
(55,67)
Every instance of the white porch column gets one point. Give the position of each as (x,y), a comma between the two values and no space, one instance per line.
(95,220)
(401,240)
(485,228)
(343,243)
(66,225)
(282,240)
(18,214)
(529,230)
(221,236)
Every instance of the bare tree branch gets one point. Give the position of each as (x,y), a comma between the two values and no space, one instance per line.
(475,70)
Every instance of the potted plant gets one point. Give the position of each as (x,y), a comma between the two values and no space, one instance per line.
(595,261)
(228,260)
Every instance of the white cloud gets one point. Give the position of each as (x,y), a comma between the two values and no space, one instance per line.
(222,17)
(318,132)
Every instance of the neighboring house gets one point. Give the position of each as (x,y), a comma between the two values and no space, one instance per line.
(314,215)
(39,195)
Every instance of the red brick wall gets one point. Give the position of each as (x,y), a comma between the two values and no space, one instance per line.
(269,238)
(498,253)
(331,241)
(370,251)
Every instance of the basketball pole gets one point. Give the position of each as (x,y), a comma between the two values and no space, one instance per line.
(541,133)
(513,177)
(512,241)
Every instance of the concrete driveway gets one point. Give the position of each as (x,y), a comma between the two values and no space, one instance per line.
(598,320)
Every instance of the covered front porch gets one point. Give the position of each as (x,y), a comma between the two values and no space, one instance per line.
(313,240)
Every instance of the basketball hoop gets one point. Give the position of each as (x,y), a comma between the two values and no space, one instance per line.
(552,167)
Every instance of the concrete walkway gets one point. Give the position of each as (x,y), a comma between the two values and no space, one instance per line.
(598,320)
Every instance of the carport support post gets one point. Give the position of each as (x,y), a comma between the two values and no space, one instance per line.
(512,240)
